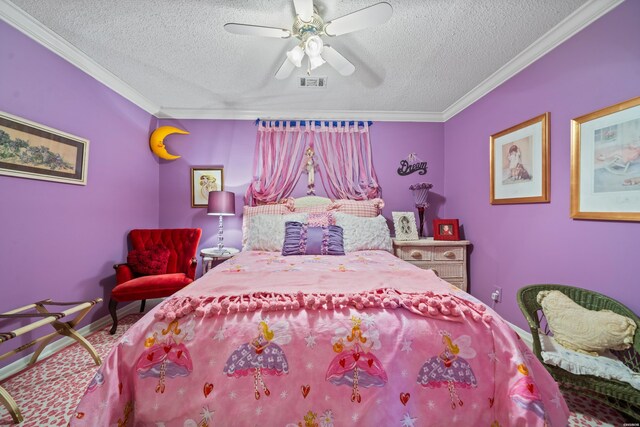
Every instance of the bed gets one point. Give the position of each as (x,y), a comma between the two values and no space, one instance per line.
(316,340)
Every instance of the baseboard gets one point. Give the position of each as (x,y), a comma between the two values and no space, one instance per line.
(55,346)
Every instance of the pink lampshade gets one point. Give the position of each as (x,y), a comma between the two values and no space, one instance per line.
(421,194)
(221,203)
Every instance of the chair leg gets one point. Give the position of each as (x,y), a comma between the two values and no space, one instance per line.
(112,310)
(142,305)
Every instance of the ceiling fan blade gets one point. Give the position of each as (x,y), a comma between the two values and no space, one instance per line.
(376,14)
(257,30)
(304,9)
(285,69)
(337,61)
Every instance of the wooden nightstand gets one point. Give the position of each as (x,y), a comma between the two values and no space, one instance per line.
(212,257)
(448,259)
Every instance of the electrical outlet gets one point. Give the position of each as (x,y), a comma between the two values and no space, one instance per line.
(496,295)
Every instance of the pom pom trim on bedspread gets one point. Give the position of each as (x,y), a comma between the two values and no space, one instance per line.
(429,304)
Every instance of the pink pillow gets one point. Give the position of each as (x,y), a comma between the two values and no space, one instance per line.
(363,208)
(313,209)
(149,261)
(320,219)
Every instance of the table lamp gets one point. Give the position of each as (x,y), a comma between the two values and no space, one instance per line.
(221,203)
(420,196)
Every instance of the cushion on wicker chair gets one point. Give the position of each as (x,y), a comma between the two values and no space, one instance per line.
(583,330)
(606,365)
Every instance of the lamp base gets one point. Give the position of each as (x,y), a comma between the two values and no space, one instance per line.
(220,238)
(421,216)
(219,252)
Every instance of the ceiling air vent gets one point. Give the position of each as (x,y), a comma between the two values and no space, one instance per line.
(313,82)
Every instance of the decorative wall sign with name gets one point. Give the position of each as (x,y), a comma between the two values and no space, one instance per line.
(412,164)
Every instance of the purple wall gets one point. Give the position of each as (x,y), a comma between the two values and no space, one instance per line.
(58,240)
(516,245)
(230,143)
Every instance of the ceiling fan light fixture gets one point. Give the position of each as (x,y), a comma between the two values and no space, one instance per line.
(308,26)
(295,55)
(313,46)
(315,62)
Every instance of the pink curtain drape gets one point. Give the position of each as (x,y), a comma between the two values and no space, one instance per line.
(346,166)
(277,163)
(343,151)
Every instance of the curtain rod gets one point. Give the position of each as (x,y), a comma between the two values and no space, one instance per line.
(317,122)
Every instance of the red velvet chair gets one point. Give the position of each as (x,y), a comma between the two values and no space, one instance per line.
(175,248)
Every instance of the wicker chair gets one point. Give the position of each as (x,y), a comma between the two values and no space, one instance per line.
(617,394)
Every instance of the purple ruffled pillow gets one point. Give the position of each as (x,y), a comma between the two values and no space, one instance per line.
(301,239)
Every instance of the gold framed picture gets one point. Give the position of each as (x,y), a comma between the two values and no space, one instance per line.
(519,163)
(605,163)
(31,150)
(203,180)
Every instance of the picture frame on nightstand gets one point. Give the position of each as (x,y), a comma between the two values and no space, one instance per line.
(405,226)
(446,229)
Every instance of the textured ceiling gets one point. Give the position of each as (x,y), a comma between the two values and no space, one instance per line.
(177,54)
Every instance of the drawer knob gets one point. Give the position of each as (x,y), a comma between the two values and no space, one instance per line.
(449,254)
(416,254)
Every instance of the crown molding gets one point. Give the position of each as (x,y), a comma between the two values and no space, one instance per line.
(387,116)
(36,30)
(572,24)
(568,27)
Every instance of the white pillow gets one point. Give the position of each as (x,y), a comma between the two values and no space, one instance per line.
(605,366)
(361,234)
(266,232)
(584,330)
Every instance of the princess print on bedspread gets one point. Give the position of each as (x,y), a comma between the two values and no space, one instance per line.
(166,356)
(262,356)
(450,368)
(355,365)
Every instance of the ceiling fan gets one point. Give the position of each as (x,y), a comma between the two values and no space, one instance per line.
(308,27)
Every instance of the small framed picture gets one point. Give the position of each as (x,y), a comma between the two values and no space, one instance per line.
(446,229)
(404,224)
(203,180)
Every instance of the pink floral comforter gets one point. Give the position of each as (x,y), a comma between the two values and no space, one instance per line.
(363,339)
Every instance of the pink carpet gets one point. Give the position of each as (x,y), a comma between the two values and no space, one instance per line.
(48,392)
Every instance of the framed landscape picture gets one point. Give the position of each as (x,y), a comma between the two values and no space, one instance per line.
(605,163)
(519,163)
(203,180)
(31,150)
(404,224)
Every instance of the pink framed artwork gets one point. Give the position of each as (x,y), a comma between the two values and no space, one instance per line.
(446,229)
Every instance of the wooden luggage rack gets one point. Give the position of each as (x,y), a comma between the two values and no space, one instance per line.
(44,317)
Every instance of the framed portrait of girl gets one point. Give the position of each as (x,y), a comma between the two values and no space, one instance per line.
(203,180)
(404,224)
(446,229)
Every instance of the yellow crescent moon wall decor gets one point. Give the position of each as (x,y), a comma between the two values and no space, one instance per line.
(156,141)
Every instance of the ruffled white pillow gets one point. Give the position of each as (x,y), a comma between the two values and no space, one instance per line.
(361,234)
(266,232)
(603,366)
(583,330)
